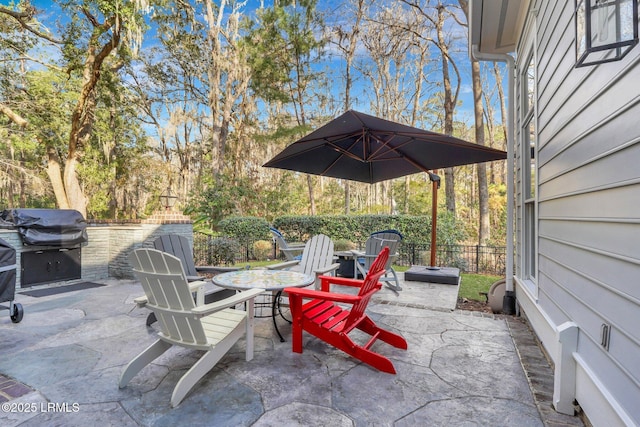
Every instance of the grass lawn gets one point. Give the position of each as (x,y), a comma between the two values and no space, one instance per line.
(470,286)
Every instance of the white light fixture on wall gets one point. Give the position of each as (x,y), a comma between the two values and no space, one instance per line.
(606,30)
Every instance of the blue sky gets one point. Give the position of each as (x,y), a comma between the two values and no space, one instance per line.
(464,111)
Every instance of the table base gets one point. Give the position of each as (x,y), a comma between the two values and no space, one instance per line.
(272,301)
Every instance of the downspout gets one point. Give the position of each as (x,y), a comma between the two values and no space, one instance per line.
(509,301)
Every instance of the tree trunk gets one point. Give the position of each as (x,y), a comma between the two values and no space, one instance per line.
(83,115)
(484,228)
(449,107)
(347,198)
(54,171)
(75,194)
(312,200)
(214,74)
(450,190)
(22,196)
(414,118)
(503,117)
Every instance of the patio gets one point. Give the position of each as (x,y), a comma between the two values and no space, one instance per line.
(461,368)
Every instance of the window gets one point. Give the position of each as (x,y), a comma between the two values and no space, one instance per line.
(528,168)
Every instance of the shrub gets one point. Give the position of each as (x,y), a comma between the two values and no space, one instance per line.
(262,250)
(245,229)
(223,251)
(341,245)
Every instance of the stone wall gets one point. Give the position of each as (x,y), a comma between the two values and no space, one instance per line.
(125,237)
(95,255)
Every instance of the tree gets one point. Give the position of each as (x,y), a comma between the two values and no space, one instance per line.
(391,76)
(283,48)
(442,43)
(97,40)
(346,39)
(22,180)
(227,73)
(169,88)
(484,230)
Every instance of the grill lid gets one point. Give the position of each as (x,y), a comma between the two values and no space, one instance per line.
(48,227)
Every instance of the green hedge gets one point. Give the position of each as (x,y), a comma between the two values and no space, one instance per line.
(353,228)
(245,229)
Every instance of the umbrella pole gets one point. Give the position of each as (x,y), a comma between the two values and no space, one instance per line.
(434,217)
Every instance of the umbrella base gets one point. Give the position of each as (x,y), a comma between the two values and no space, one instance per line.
(443,275)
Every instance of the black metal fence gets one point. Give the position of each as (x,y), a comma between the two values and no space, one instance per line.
(468,258)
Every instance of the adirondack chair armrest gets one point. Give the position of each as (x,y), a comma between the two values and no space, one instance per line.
(327,281)
(323,271)
(328,296)
(360,255)
(141,301)
(238,298)
(292,251)
(195,285)
(297,246)
(283,265)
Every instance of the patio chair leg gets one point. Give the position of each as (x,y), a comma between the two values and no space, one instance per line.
(395,288)
(143,359)
(198,370)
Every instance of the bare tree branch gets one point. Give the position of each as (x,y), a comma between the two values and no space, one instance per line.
(23,19)
(13,116)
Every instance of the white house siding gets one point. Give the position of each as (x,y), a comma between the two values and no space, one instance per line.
(588,213)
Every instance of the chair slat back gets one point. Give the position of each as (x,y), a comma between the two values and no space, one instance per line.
(178,246)
(369,286)
(317,254)
(388,235)
(374,245)
(165,284)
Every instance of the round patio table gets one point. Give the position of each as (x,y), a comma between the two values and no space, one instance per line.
(269,280)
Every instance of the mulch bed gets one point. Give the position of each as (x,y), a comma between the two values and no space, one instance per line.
(472,305)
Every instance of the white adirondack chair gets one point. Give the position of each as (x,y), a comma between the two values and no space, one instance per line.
(317,259)
(214,327)
(178,246)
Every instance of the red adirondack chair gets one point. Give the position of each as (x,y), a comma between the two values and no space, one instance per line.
(332,323)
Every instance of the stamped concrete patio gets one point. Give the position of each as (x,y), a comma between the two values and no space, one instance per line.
(461,368)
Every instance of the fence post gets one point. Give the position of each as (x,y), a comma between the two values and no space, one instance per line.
(477,258)
(210,240)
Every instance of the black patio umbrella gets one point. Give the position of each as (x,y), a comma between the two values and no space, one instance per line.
(364,148)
